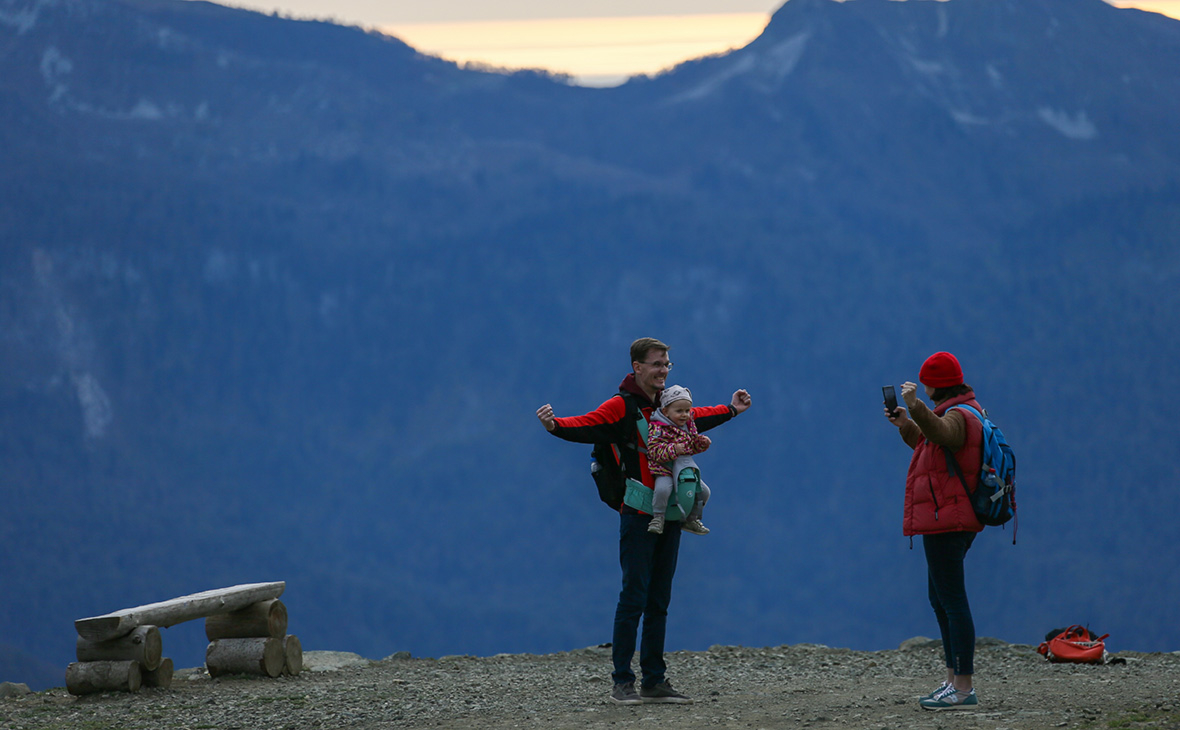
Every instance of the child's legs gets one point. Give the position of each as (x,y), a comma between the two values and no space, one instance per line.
(698,505)
(659,503)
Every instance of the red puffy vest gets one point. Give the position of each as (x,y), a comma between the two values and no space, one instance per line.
(934,497)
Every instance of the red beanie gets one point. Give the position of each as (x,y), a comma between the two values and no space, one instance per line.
(941,370)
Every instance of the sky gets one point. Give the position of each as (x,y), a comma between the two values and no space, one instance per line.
(596,42)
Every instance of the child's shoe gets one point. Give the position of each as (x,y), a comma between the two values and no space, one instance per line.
(656,525)
(695,527)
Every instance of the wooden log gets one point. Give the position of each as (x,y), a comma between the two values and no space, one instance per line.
(160,677)
(293,651)
(262,619)
(260,656)
(178,610)
(84,678)
(142,645)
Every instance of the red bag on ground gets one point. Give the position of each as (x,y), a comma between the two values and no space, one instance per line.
(1075,644)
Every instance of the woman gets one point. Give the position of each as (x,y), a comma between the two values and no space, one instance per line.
(938,509)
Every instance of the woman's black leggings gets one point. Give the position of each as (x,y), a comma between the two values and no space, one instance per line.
(948,596)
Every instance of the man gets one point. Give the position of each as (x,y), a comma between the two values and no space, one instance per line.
(648,559)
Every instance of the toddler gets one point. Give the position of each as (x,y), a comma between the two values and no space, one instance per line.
(672,440)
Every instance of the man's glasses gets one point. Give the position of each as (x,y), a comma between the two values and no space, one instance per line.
(663,365)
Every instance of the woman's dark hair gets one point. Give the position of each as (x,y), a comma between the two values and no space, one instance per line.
(953,391)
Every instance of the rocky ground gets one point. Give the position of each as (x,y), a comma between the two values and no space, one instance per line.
(801,686)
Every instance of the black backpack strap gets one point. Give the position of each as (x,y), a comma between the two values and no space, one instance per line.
(630,449)
(631,416)
(629,409)
(953,465)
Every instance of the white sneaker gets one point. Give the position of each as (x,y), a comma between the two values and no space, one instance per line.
(950,699)
(695,527)
(936,692)
(656,525)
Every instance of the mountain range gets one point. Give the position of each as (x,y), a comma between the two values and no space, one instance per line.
(279,300)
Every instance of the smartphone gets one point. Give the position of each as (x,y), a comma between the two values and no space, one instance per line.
(890,398)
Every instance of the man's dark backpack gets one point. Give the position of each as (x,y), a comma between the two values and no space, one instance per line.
(994,499)
(607,464)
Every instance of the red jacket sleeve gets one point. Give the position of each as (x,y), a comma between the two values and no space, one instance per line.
(602,425)
(711,416)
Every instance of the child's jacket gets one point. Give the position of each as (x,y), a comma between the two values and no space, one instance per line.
(662,438)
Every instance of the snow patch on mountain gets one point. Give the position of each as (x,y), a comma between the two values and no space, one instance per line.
(994,75)
(709,86)
(169,40)
(97,413)
(782,58)
(927,68)
(145,109)
(1077,126)
(74,346)
(968,119)
(54,66)
(944,23)
(773,65)
(24,19)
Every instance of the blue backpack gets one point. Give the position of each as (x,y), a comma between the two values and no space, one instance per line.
(994,500)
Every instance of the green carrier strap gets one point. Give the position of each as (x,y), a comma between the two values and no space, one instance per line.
(680,504)
(642,427)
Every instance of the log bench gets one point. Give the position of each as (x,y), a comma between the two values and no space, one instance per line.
(246,626)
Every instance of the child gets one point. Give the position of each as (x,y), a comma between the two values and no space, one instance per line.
(671,442)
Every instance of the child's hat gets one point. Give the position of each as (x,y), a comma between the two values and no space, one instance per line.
(674,393)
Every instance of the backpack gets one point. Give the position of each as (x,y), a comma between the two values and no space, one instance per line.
(607,464)
(1074,645)
(994,499)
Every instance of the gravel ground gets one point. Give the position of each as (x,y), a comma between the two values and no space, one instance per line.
(800,686)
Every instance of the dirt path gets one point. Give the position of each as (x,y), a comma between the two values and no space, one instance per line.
(800,686)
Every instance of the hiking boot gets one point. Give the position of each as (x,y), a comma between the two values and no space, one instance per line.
(663,693)
(695,527)
(936,692)
(625,694)
(950,699)
(656,525)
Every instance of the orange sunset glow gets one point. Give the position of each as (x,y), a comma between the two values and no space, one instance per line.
(1164,7)
(596,51)
(605,51)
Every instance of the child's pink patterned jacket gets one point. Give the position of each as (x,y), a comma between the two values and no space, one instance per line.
(662,439)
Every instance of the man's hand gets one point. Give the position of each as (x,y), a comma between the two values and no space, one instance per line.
(545,413)
(741,401)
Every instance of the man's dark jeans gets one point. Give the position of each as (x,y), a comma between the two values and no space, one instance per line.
(948,595)
(649,562)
